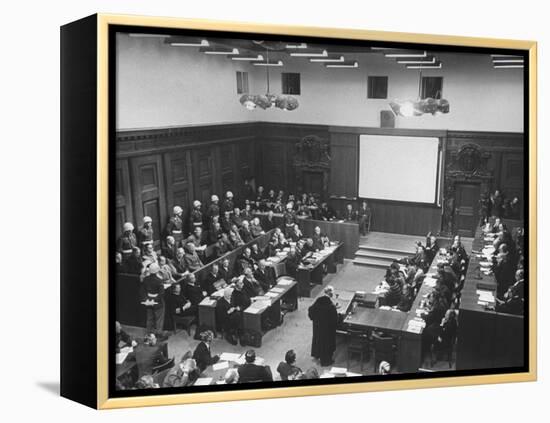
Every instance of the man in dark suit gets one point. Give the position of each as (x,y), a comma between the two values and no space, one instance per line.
(319,239)
(226,271)
(226,222)
(245,233)
(193,292)
(251,286)
(169,250)
(228,318)
(269,222)
(326,212)
(504,270)
(213,281)
(150,354)
(214,233)
(251,372)
(203,354)
(263,276)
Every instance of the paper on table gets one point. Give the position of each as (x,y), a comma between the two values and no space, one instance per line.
(352,374)
(271,294)
(278,290)
(284,282)
(201,381)
(338,370)
(220,365)
(120,357)
(326,376)
(229,356)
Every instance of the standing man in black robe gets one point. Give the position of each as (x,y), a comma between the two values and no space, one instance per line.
(324,316)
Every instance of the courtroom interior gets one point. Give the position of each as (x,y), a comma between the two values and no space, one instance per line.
(302,209)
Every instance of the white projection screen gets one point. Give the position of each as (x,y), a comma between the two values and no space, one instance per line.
(399,168)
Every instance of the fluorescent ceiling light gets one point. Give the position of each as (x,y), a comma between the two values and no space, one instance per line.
(416,62)
(434,66)
(278,63)
(405,54)
(234,51)
(507,60)
(202,43)
(293,46)
(343,65)
(310,54)
(136,35)
(508,66)
(327,60)
(259,57)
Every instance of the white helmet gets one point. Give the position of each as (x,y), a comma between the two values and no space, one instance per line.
(214,198)
(128,227)
(147,219)
(229,194)
(178,210)
(196,203)
(289,205)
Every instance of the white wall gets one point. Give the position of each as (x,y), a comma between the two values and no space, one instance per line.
(160,85)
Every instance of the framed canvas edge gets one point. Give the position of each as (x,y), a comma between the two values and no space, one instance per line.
(103,22)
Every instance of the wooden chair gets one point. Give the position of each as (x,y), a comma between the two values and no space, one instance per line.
(384,349)
(164,366)
(357,343)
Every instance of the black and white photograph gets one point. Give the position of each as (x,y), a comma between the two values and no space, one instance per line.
(294,211)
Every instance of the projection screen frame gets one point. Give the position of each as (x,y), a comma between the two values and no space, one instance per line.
(441,135)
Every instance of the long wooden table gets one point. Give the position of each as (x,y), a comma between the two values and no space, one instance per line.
(336,230)
(313,273)
(486,339)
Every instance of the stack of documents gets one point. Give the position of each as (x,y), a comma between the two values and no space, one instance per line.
(338,371)
(202,381)
(430,282)
(229,356)
(416,325)
(220,365)
(485,297)
(284,281)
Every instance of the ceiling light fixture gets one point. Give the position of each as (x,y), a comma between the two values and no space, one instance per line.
(234,51)
(268,100)
(277,63)
(201,43)
(327,60)
(406,54)
(343,65)
(296,46)
(418,107)
(259,57)
(434,66)
(322,53)
(508,66)
(417,62)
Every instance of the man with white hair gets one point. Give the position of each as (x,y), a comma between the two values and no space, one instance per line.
(228,204)
(146,232)
(169,250)
(196,215)
(152,297)
(127,241)
(175,224)
(324,316)
(245,233)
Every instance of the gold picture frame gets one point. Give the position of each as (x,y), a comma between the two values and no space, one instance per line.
(102,398)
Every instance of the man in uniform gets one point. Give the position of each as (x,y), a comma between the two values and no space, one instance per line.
(213,210)
(152,297)
(228,205)
(196,216)
(260,199)
(146,232)
(175,225)
(127,241)
(289,219)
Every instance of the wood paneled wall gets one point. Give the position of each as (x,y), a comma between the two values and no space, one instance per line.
(159,168)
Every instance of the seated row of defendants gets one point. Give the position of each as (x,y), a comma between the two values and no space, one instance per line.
(248,276)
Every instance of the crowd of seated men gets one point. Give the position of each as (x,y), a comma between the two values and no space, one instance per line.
(156,370)
(169,286)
